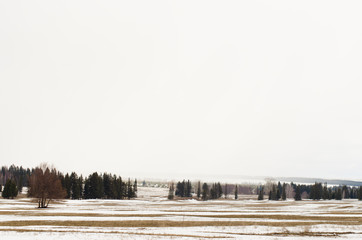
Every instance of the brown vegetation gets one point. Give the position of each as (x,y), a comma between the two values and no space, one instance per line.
(45,185)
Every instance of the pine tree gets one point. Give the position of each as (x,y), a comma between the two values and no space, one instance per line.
(219,190)
(236,192)
(284,194)
(261,194)
(298,195)
(205,192)
(325,194)
(339,194)
(67,185)
(360,193)
(277,195)
(135,189)
(198,189)
(226,191)
(10,189)
(171,192)
(188,189)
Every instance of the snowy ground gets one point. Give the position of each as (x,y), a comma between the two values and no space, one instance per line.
(152,216)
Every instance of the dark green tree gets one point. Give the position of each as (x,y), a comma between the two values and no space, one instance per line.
(226,191)
(284,193)
(360,193)
(67,185)
(198,189)
(10,189)
(261,193)
(236,192)
(339,194)
(75,186)
(171,192)
(298,195)
(205,192)
(325,194)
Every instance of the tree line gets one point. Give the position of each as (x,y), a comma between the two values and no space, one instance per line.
(316,191)
(203,191)
(46,183)
(273,191)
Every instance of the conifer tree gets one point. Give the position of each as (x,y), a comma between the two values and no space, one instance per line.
(188,189)
(325,194)
(171,192)
(284,193)
(277,197)
(67,185)
(261,194)
(236,192)
(280,188)
(135,188)
(226,191)
(360,193)
(198,189)
(298,195)
(219,190)
(339,194)
(10,189)
(205,192)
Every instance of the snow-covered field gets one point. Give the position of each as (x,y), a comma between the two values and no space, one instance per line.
(152,216)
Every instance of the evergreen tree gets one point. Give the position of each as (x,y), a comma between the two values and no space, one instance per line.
(236,192)
(107,185)
(205,192)
(180,189)
(325,194)
(270,195)
(261,194)
(75,186)
(171,192)
(284,194)
(339,194)
(226,191)
(213,194)
(188,189)
(360,193)
(198,189)
(280,188)
(219,190)
(298,195)
(10,189)
(135,188)
(67,185)
(1,188)
(130,193)
(278,195)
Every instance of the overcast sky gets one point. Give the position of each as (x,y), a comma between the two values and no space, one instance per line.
(166,88)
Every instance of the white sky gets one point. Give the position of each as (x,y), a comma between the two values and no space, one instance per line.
(166,88)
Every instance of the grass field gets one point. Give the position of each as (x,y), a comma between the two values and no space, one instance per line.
(152,216)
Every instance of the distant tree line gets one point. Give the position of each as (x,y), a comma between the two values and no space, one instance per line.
(18,175)
(98,186)
(46,183)
(317,191)
(203,191)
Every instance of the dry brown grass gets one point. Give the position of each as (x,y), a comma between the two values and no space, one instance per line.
(69,214)
(110,232)
(165,223)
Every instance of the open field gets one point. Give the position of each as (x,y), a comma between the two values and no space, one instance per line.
(152,216)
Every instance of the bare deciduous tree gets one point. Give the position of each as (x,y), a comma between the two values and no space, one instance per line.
(45,185)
